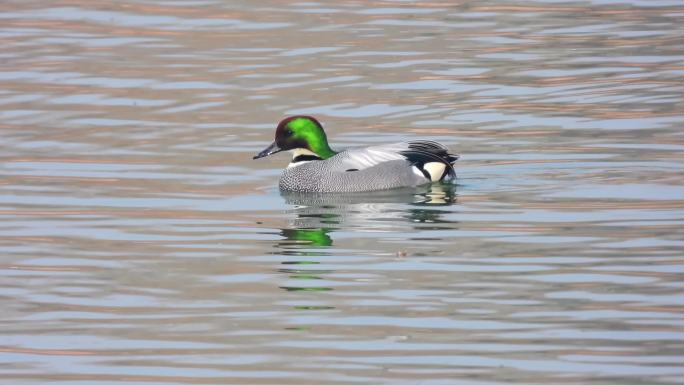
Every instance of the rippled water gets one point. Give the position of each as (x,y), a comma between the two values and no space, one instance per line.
(141,244)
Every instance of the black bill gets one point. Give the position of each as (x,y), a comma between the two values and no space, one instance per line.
(270,150)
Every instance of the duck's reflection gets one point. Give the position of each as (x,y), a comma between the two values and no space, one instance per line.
(317,217)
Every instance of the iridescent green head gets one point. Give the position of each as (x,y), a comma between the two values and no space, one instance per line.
(302,133)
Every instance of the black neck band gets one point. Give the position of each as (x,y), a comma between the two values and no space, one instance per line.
(304,158)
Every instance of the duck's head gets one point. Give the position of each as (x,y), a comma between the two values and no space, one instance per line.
(303,135)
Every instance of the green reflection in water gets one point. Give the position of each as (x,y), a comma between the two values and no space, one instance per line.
(298,242)
(317,217)
(308,237)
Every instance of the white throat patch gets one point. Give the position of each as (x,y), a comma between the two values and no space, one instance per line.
(299,152)
(302,151)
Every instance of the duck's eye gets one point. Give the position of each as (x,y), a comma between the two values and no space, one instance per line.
(288,132)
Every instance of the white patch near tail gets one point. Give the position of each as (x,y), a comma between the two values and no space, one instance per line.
(435,169)
(417,171)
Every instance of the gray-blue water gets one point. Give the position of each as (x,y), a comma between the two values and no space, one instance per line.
(141,244)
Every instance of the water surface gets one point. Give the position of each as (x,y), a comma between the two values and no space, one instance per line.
(141,244)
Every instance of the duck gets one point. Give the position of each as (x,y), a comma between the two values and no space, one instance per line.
(317,168)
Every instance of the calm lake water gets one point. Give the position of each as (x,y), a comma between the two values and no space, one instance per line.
(141,244)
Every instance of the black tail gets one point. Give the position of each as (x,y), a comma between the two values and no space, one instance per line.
(424,151)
